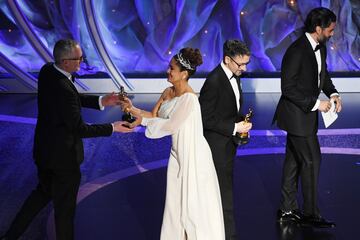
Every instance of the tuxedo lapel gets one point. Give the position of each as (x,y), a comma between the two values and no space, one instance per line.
(240,92)
(62,77)
(72,87)
(69,83)
(313,66)
(228,88)
(323,63)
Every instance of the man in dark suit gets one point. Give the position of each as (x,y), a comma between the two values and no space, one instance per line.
(303,75)
(58,147)
(221,100)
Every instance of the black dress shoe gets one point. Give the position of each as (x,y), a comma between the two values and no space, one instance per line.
(316,221)
(287,230)
(287,216)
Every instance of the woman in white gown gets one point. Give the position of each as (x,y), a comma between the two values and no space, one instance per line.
(193,204)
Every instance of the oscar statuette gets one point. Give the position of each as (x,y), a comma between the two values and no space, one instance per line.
(243,138)
(127,115)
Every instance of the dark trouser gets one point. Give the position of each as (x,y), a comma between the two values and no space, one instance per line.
(61,186)
(302,160)
(223,161)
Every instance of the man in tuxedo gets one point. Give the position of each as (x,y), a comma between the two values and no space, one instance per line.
(221,100)
(303,75)
(58,147)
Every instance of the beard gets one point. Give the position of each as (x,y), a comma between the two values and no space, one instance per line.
(323,39)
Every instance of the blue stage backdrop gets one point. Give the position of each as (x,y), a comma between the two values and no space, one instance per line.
(140,36)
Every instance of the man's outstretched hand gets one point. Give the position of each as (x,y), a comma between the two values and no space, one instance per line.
(111,99)
(121,126)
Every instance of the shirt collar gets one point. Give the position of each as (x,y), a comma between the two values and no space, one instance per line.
(227,71)
(311,40)
(68,75)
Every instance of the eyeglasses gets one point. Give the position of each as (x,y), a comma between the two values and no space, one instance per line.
(75,59)
(239,65)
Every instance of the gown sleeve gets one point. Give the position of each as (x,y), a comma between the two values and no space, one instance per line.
(160,127)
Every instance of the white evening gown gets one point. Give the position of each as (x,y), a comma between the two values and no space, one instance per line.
(193,202)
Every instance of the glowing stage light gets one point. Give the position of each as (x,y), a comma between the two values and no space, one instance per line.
(292,3)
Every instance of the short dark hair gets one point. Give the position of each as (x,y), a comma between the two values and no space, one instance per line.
(63,48)
(321,17)
(234,47)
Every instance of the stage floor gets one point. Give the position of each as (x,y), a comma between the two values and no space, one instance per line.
(124,176)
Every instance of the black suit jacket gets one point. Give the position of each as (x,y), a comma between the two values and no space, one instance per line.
(218,107)
(300,89)
(60,127)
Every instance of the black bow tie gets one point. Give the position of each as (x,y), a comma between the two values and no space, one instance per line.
(73,77)
(234,76)
(317,47)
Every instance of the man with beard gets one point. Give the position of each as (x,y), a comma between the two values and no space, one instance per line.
(303,75)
